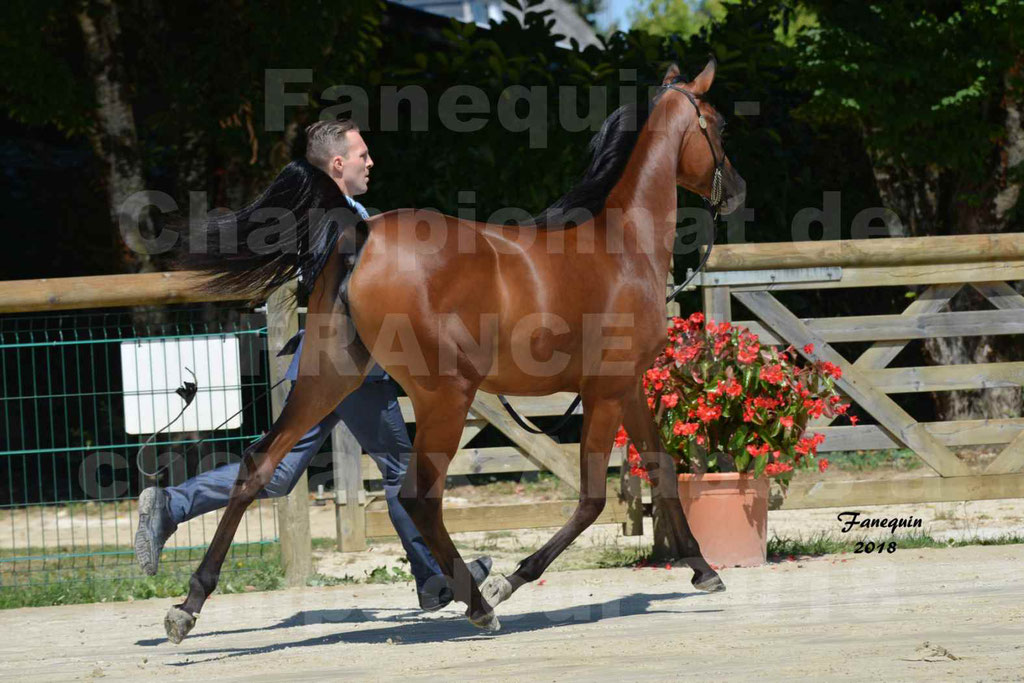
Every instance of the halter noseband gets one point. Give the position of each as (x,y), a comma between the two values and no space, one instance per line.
(715,201)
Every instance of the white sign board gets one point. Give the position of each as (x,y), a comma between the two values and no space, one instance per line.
(152,370)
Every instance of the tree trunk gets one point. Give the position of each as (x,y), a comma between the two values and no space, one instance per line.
(114,137)
(927,200)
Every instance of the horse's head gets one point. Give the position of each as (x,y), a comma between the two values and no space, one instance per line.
(704,167)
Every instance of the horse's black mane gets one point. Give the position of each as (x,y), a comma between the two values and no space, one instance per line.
(610,149)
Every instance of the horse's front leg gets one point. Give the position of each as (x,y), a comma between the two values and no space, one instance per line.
(440,419)
(665,502)
(601,419)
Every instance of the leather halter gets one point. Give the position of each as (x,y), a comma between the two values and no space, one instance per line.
(715,200)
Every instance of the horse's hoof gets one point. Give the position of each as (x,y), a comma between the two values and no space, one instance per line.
(178,623)
(709,583)
(496,590)
(486,622)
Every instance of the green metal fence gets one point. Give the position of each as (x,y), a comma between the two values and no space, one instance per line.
(68,476)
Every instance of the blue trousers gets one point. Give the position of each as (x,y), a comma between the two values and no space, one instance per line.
(371,412)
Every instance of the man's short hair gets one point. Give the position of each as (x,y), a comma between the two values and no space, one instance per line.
(326,140)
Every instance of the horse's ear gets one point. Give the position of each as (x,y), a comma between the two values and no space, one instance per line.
(702,83)
(671,75)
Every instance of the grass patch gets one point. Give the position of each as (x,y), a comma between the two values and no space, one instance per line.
(1006,539)
(384,575)
(324,580)
(56,579)
(826,544)
(322,543)
(613,556)
(862,461)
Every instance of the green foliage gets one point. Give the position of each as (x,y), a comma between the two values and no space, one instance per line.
(862,461)
(824,543)
(43,80)
(921,80)
(679,17)
(97,578)
(384,575)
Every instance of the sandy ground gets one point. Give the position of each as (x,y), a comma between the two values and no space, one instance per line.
(850,618)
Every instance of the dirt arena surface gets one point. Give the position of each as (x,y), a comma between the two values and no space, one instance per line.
(837,617)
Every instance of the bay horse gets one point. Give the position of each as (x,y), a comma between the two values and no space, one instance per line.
(518,310)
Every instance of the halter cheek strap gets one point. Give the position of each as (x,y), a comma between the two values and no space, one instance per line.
(715,200)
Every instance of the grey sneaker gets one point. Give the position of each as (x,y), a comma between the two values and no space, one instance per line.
(431,601)
(155,527)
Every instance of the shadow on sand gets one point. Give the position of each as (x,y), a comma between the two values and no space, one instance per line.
(406,627)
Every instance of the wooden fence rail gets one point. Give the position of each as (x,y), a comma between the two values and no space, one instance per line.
(944,265)
(747,273)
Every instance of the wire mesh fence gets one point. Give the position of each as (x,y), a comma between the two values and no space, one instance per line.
(81,392)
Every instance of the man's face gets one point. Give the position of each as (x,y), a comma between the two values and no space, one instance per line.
(356,165)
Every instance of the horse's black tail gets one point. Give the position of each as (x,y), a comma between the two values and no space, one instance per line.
(288,231)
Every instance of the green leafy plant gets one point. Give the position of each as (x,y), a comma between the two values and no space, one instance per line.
(723,403)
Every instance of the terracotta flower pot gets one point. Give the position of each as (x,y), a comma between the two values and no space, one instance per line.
(728,514)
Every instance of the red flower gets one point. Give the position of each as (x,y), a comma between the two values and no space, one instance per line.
(670,400)
(708,413)
(822,464)
(756,451)
(809,349)
(786,421)
(696,318)
(832,369)
(748,355)
(854,420)
(621,437)
(776,468)
(681,428)
(772,374)
(636,467)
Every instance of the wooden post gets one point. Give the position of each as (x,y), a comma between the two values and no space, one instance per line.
(672,306)
(293,509)
(631,493)
(717,304)
(349,496)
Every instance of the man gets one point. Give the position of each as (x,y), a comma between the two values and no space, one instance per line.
(371,413)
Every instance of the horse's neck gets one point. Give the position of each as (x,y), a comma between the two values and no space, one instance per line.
(644,199)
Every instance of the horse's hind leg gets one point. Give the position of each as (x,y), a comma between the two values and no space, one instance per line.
(440,419)
(642,430)
(313,397)
(601,419)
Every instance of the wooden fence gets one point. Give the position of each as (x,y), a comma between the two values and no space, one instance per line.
(749,274)
(941,267)
(358,515)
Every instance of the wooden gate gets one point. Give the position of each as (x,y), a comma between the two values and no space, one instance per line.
(943,265)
